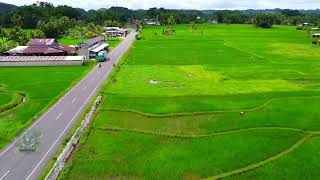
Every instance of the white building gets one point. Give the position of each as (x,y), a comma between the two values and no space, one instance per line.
(152,22)
(92,47)
(115,32)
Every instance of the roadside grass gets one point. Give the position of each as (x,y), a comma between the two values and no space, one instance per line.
(42,85)
(114,42)
(172,109)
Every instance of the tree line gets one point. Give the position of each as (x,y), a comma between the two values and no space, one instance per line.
(55,21)
(28,17)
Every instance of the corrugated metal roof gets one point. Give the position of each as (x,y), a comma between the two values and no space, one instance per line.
(41,42)
(40,50)
(93,41)
(65,48)
(99,48)
(18,49)
(40,58)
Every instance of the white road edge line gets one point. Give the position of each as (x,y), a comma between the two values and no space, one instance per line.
(59,116)
(74,100)
(65,129)
(4,175)
(35,123)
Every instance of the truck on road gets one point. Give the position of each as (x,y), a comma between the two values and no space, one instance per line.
(102,56)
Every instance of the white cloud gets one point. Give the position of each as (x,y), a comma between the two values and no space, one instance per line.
(182,4)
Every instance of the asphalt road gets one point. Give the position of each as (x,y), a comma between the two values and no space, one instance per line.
(56,123)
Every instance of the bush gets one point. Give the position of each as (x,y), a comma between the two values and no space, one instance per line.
(300,28)
(264,20)
(138,37)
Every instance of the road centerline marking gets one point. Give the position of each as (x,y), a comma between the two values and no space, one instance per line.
(59,116)
(74,100)
(4,175)
(65,129)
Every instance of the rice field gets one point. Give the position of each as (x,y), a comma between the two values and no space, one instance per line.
(27,91)
(223,102)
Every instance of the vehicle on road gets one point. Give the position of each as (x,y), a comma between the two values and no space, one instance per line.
(102,56)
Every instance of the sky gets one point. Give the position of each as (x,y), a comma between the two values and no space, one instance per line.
(181,4)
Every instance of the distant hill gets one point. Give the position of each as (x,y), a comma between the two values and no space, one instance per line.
(6,7)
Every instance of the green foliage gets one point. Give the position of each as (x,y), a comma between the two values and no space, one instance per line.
(231,17)
(10,38)
(138,37)
(289,12)
(17,20)
(70,41)
(263,20)
(16,34)
(29,16)
(56,27)
(110,23)
(37,34)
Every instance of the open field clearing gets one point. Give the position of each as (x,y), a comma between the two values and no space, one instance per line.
(114,42)
(25,92)
(70,41)
(173,108)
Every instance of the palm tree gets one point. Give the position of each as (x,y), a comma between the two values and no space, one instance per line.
(171,21)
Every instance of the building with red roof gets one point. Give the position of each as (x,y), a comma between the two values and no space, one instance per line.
(42,47)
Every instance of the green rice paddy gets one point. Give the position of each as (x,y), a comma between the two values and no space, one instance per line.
(231,101)
(40,86)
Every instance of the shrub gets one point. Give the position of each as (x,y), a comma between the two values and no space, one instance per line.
(300,28)
(138,37)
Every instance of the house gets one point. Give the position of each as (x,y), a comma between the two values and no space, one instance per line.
(92,47)
(152,22)
(306,24)
(115,32)
(41,60)
(315,35)
(315,29)
(42,47)
(213,22)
